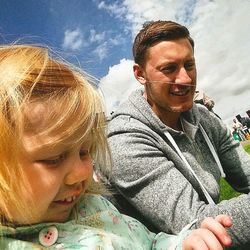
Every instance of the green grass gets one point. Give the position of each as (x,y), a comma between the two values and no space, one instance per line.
(247,148)
(226,191)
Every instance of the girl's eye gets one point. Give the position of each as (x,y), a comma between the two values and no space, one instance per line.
(83,152)
(53,161)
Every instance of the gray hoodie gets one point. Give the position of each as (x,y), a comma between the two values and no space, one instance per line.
(154,185)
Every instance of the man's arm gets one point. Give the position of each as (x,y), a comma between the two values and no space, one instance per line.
(234,159)
(153,184)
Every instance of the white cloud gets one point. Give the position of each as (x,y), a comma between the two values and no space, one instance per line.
(139,12)
(220,29)
(103,48)
(222,45)
(96,37)
(73,39)
(117,40)
(101,51)
(118,83)
(114,9)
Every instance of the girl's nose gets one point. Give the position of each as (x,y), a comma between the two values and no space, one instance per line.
(81,170)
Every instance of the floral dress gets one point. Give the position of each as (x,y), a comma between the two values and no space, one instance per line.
(98,226)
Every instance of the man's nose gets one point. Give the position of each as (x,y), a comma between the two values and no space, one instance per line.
(183,77)
(80,171)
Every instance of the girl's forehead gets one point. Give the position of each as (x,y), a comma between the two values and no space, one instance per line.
(43,127)
(36,116)
(40,116)
(47,146)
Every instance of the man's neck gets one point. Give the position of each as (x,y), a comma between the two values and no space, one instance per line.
(169,118)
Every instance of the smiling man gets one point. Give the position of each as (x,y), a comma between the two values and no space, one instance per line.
(168,152)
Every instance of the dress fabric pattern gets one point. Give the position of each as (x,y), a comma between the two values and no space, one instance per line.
(99,226)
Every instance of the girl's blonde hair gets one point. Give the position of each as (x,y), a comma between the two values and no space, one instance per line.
(29,74)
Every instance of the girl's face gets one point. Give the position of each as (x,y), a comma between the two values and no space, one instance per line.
(58,175)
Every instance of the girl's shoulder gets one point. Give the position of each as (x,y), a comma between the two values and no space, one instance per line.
(95,203)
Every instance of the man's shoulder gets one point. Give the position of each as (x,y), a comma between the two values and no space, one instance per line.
(206,114)
(209,120)
(126,123)
(131,113)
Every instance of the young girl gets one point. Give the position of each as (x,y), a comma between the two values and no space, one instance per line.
(52,130)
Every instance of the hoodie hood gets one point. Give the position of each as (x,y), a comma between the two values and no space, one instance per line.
(138,108)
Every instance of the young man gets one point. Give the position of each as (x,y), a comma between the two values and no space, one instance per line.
(168,152)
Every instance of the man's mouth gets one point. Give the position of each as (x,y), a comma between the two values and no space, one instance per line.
(183,91)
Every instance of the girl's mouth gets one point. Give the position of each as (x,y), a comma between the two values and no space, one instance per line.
(66,201)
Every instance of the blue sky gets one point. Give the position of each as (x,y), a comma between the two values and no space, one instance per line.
(97,35)
(84,30)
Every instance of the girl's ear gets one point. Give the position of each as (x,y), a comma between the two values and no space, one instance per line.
(139,73)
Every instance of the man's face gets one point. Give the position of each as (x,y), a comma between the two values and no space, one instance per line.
(170,62)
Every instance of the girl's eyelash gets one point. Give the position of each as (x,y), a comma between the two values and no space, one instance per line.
(53,161)
(58,159)
(84,152)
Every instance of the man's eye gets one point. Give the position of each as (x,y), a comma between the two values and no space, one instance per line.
(169,69)
(190,66)
(53,161)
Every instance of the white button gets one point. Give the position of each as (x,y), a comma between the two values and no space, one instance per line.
(48,236)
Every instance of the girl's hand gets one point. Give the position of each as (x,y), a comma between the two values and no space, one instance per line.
(211,235)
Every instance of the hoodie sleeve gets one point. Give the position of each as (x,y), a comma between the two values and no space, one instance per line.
(234,159)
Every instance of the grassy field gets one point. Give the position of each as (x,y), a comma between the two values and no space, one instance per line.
(247,148)
(226,191)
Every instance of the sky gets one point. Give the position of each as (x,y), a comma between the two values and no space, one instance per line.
(97,36)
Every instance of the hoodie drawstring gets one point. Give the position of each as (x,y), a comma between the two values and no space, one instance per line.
(172,141)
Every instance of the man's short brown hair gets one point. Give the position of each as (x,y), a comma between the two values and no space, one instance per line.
(156,31)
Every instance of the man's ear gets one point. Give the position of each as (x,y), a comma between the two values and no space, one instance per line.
(139,73)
